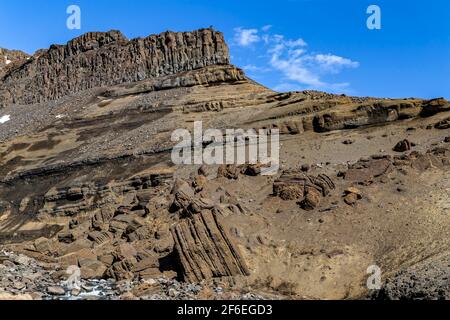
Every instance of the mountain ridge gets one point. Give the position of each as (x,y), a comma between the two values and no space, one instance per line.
(98,59)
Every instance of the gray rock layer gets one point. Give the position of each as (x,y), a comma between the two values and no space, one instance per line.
(102,59)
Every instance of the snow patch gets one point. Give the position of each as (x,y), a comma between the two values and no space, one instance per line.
(7,61)
(5,118)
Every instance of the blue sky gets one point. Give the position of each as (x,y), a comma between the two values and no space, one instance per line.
(284,44)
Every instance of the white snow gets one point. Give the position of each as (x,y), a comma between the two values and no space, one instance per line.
(5,118)
(59,116)
(7,61)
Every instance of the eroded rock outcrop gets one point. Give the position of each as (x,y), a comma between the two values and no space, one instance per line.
(295,184)
(100,59)
(205,250)
(202,245)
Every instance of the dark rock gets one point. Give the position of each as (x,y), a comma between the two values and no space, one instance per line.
(403,146)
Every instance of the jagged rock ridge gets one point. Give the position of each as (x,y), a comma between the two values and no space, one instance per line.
(100,59)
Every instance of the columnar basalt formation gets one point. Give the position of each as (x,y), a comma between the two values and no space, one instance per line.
(99,59)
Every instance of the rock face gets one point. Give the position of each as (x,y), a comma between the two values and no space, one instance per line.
(202,245)
(205,250)
(9,58)
(101,59)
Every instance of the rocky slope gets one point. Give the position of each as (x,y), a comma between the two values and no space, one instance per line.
(86,179)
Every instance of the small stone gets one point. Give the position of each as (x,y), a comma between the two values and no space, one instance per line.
(351,199)
(348,142)
(19,285)
(305,168)
(173,293)
(75,292)
(56,291)
(353,190)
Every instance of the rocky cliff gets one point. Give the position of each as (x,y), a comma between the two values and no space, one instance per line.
(8,58)
(99,59)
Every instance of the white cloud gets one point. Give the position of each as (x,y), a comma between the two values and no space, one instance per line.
(291,57)
(246,37)
(296,43)
(294,69)
(253,68)
(333,63)
(288,57)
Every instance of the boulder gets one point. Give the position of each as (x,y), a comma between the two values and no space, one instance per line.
(199,182)
(311,200)
(121,270)
(294,184)
(126,251)
(403,146)
(229,171)
(351,199)
(92,269)
(56,291)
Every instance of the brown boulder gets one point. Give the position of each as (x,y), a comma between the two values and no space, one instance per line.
(294,184)
(92,269)
(229,171)
(311,200)
(199,183)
